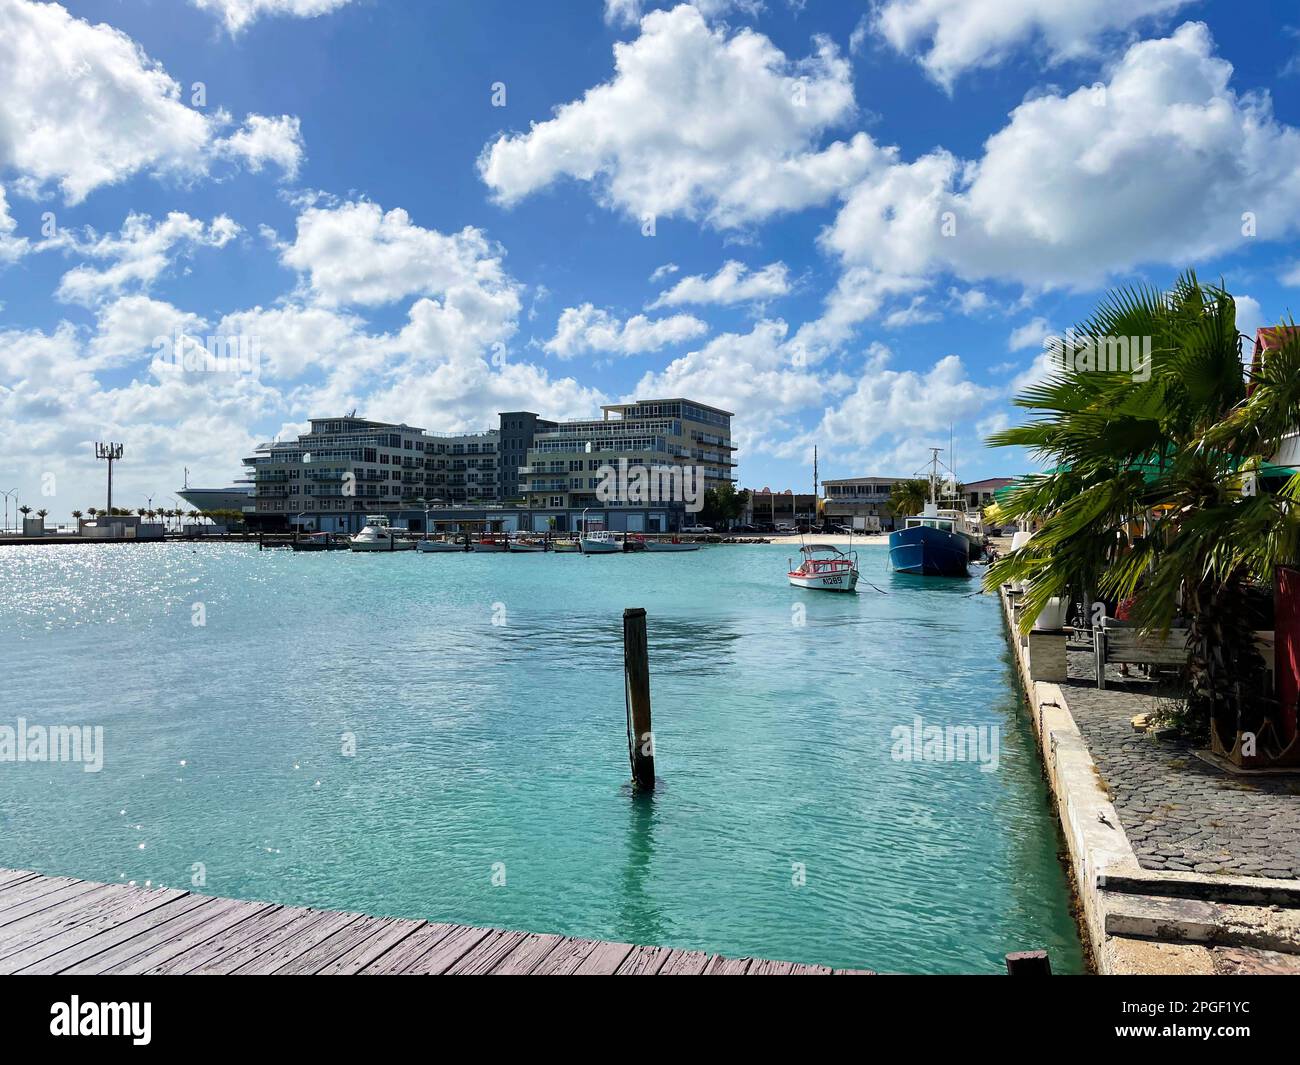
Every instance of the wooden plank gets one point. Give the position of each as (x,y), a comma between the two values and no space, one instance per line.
(488,954)
(118,932)
(565,958)
(604,960)
(117,906)
(270,934)
(342,942)
(721,966)
(29,891)
(218,946)
(176,937)
(763,967)
(50,922)
(12,876)
(372,949)
(318,928)
(644,961)
(853,972)
(449,950)
(530,953)
(410,950)
(686,963)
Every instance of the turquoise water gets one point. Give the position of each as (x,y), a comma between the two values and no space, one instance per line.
(488,752)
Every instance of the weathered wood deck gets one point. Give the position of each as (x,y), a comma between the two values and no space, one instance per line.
(52,924)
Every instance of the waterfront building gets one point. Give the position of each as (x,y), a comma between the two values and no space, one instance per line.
(566,463)
(342,469)
(980,494)
(766,507)
(859,502)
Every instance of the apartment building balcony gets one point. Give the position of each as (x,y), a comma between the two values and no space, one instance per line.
(546,486)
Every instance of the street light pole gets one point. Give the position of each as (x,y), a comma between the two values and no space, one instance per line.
(12,492)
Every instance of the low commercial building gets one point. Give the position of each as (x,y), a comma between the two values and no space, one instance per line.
(766,507)
(860,502)
(979,494)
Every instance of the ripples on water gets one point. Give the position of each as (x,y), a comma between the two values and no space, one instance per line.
(480,744)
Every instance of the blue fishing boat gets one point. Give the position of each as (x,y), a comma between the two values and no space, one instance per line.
(937,542)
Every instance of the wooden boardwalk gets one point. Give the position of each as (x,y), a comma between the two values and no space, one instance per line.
(53,924)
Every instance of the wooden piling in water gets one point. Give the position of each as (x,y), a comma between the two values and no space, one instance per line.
(1029,963)
(636,672)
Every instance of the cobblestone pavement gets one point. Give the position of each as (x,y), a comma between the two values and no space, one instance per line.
(1180,813)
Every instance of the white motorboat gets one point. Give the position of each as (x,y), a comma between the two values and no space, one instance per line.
(434,547)
(826,568)
(670,545)
(379,535)
(599,543)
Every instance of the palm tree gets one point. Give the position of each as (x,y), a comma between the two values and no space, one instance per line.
(1151,491)
(92,511)
(909,497)
(76,514)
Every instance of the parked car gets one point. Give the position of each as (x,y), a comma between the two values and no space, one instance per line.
(697,528)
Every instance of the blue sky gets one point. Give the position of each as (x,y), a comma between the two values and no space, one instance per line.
(851,223)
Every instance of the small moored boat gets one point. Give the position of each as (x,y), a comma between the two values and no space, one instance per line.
(599,543)
(435,547)
(379,535)
(674,544)
(489,544)
(826,568)
(526,546)
(566,546)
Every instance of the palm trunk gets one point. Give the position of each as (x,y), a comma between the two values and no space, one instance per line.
(1227,690)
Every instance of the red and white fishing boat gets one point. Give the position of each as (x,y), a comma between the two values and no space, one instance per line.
(826,568)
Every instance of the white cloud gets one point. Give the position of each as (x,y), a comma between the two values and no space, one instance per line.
(953,36)
(357,254)
(588,330)
(139,254)
(970,301)
(128,329)
(1158,166)
(661,272)
(1291,276)
(668,136)
(237,14)
(914,313)
(1030,335)
(83,106)
(629,12)
(12,248)
(749,372)
(263,140)
(733,283)
(901,403)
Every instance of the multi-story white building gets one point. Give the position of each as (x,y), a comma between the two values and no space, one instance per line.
(566,462)
(859,502)
(345,468)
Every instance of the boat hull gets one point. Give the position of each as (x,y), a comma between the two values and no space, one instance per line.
(488,549)
(380,545)
(929,552)
(600,547)
(437,547)
(842,581)
(526,549)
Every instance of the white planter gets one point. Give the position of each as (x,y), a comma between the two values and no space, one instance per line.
(1052,617)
